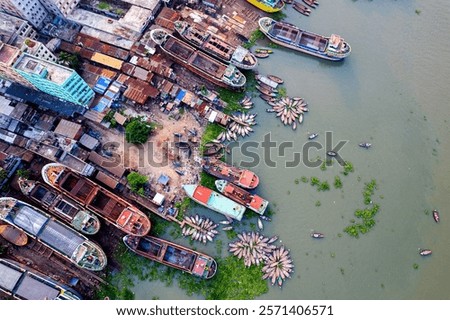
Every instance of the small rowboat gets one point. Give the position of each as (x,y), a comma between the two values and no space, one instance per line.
(265,91)
(212,148)
(365,145)
(275,78)
(262,50)
(260,224)
(425,252)
(182,145)
(317,235)
(265,97)
(270,110)
(331,154)
(313,136)
(180,172)
(302,9)
(13,235)
(261,55)
(311,3)
(436,216)
(265,218)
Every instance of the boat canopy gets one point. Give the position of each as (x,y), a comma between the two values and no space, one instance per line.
(240,53)
(335,41)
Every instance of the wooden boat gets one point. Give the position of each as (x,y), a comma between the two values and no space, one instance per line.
(179,172)
(425,252)
(260,224)
(265,91)
(23,283)
(436,216)
(215,46)
(313,136)
(288,1)
(172,255)
(61,239)
(331,154)
(93,197)
(302,9)
(275,78)
(317,235)
(13,235)
(332,48)
(261,50)
(365,145)
(267,81)
(207,67)
(250,201)
(59,205)
(312,3)
(212,148)
(266,97)
(241,177)
(261,55)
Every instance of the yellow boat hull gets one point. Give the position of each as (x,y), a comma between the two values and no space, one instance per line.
(264,7)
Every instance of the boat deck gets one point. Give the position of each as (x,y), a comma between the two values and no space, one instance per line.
(232,208)
(179,258)
(205,63)
(50,232)
(25,285)
(178,48)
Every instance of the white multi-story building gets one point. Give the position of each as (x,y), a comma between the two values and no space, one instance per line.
(37,49)
(60,8)
(31,10)
(13,28)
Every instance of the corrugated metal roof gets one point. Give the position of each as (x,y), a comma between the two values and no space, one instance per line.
(68,129)
(107,60)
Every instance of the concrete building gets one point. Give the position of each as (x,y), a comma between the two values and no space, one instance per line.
(37,49)
(54,79)
(8,57)
(31,10)
(60,8)
(13,28)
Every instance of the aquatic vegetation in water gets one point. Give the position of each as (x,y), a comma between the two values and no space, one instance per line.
(415,266)
(323,166)
(348,168)
(366,215)
(318,203)
(323,186)
(315,181)
(337,182)
(304,179)
(297,181)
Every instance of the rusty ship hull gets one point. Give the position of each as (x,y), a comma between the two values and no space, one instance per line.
(173,255)
(216,47)
(249,200)
(60,206)
(95,198)
(60,238)
(198,62)
(241,177)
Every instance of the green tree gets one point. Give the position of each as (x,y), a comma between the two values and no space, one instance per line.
(137,182)
(3,174)
(23,173)
(137,131)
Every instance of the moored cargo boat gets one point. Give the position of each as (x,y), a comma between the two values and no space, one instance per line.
(251,201)
(173,255)
(218,48)
(198,62)
(287,35)
(93,197)
(59,205)
(269,6)
(214,201)
(241,177)
(24,284)
(62,239)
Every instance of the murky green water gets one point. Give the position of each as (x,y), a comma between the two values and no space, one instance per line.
(393,91)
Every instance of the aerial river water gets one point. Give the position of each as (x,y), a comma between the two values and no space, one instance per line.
(394,91)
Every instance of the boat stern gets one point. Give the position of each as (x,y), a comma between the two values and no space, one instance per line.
(189,189)
(265,23)
(90,256)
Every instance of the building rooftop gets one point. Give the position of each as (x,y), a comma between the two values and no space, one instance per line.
(45,69)
(68,129)
(105,24)
(8,53)
(113,39)
(9,25)
(107,60)
(136,18)
(148,4)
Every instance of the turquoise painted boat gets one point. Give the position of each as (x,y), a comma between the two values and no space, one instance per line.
(214,201)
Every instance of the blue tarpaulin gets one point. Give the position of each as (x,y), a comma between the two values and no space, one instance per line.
(101,85)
